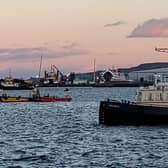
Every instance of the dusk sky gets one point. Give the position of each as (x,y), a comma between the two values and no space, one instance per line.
(71,33)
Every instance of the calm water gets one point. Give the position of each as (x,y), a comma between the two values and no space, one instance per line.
(67,134)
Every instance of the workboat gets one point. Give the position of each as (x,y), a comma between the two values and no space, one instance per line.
(36,97)
(29,99)
(150,107)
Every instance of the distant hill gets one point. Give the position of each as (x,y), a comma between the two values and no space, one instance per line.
(146,66)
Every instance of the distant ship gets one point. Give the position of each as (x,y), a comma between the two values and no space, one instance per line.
(52,77)
(8,83)
(113,78)
(150,108)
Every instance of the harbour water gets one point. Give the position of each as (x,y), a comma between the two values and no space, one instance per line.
(68,135)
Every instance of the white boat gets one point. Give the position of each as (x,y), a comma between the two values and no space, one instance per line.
(154,95)
(9,82)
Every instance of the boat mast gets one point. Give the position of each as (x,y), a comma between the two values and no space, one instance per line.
(10,73)
(94,69)
(40,67)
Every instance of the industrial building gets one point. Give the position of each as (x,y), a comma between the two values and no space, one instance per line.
(147,75)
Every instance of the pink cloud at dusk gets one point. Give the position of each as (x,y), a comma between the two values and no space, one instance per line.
(115,23)
(25,61)
(151,28)
(20,54)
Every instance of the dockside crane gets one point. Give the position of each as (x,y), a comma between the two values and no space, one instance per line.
(58,71)
(161,49)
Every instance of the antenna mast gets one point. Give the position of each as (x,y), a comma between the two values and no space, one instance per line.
(10,73)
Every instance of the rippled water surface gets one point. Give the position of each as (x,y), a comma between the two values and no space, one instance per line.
(67,134)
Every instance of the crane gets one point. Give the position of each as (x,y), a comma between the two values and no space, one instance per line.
(161,49)
(58,71)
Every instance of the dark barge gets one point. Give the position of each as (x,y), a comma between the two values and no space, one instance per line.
(127,113)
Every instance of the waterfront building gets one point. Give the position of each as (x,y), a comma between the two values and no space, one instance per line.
(147,75)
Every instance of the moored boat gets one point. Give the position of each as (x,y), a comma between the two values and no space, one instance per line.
(150,108)
(8,83)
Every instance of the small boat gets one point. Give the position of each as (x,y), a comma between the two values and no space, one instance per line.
(150,108)
(35,98)
(66,89)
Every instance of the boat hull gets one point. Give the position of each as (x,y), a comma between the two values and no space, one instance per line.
(53,99)
(125,113)
(14,99)
(27,99)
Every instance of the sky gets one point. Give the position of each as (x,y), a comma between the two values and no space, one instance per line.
(72,33)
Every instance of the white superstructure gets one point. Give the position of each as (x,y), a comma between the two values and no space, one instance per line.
(154,95)
(9,82)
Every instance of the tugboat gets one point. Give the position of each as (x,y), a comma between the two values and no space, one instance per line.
(8,83)
(150,108)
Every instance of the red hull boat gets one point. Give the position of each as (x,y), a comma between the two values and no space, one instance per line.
(35,98)
(54,99)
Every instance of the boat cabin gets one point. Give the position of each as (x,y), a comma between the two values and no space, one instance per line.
(157,93)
